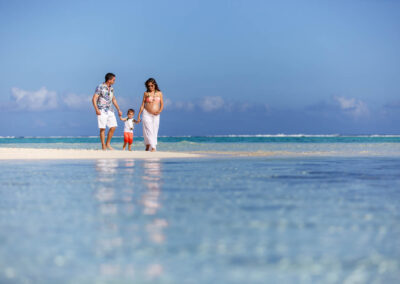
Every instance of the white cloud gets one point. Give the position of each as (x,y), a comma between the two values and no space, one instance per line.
(353,106)
(244,107)
(76,101)
(180,105)
(211,103)
(167,103)
(208,104)
(189,106)
(184,105)
(42,99)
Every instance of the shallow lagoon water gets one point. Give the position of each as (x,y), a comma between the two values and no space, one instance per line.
(223,220)
(277,145)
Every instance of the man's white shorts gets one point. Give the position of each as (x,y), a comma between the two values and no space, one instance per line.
(106,118)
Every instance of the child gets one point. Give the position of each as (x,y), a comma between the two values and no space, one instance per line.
(128,129)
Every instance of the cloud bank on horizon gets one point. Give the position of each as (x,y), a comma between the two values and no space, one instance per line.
(44,100)
(201,116)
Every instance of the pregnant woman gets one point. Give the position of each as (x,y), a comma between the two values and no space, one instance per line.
(152,106)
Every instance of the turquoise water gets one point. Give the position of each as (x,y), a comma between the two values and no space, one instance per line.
(281,145)
(255,139)
(304,219)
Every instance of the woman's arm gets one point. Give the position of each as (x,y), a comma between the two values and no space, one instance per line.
(161,103)
(142,107)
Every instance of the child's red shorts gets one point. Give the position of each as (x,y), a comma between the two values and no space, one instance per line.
(128,137)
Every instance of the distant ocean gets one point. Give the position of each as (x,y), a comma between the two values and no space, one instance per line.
(381,145)
(316,209)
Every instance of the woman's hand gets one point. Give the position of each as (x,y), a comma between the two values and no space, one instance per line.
(98,112)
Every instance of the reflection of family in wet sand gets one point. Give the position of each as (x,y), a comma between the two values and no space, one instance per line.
(150,110)
(138,205)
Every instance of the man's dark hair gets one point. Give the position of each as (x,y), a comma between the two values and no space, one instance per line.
(109,76)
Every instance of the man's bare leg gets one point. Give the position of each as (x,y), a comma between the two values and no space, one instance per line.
(102,138)
(109,136)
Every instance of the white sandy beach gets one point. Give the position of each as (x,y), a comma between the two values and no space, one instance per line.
(76,154)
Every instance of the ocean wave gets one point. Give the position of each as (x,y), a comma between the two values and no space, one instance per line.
(52,137)
(280,135)
(303,135)
(380,135)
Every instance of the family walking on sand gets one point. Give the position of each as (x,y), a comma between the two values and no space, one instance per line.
(150,109)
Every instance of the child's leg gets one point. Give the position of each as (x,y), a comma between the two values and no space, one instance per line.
(130,141)
(126,140)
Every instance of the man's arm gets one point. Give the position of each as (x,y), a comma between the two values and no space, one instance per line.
(94,101)
(114,100)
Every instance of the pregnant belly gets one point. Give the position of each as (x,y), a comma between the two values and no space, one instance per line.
(152,108)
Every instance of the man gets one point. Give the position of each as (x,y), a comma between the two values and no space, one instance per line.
(102,99)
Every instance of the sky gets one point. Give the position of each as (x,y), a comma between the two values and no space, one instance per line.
(224,67)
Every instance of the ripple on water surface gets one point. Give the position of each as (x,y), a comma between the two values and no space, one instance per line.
(242,220)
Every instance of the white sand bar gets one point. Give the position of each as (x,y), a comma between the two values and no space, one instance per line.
(76,154)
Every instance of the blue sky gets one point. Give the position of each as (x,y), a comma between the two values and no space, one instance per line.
(225,67)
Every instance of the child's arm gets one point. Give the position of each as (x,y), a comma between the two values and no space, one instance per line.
(135,121)
(123,118)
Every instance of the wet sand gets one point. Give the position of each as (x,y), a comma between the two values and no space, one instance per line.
(74,154)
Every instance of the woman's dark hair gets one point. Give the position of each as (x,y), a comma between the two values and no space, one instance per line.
(130,110)
(151,80)
(109,76)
